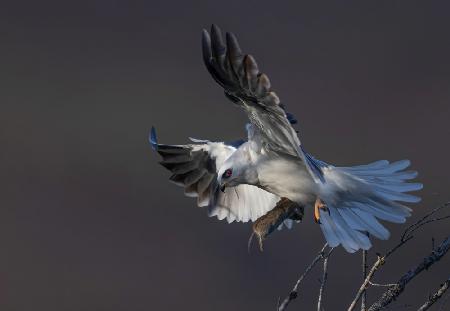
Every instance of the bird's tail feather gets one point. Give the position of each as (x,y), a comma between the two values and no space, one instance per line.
(383,186)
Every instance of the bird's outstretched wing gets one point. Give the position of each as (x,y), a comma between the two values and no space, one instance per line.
(194,167)
(243,83)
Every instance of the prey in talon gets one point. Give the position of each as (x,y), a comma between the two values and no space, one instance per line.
(284,213)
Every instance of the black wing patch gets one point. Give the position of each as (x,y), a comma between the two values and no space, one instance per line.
(191,168)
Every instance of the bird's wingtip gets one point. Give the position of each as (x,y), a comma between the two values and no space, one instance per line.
(152,139)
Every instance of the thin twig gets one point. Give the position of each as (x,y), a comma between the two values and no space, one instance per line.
(378,263)
(404,306)
(394,291)
(294,292)
(406,236)
(436,296)
(323,281)
(362,288)
(381,285)
(364,266)
(424,220)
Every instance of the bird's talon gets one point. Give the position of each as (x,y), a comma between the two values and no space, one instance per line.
(319,205)
(317,220)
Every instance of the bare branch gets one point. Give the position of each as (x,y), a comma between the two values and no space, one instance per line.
(363,287)
(364,266)
(381,285)
(394,291)
(406,236)
(323,281)
(294,292)
(436,296)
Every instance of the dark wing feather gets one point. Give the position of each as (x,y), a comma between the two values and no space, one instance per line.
(247,87)
(192,168)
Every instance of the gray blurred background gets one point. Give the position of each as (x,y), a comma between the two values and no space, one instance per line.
(88,220)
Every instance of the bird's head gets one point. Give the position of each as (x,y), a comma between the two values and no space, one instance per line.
(235,172)
(227,178)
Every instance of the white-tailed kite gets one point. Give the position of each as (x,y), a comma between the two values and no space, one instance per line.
(249,179)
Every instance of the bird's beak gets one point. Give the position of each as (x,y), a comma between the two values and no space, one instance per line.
(222,185)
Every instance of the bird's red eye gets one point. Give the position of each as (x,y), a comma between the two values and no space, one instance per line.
(227,173)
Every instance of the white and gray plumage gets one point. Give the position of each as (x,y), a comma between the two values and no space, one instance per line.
(272,164)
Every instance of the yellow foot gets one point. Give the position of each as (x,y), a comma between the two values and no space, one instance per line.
(317,207)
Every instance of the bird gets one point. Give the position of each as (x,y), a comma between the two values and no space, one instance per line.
(269,178)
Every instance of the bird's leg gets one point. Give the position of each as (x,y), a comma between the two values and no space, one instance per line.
(318,205)
(267,223)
